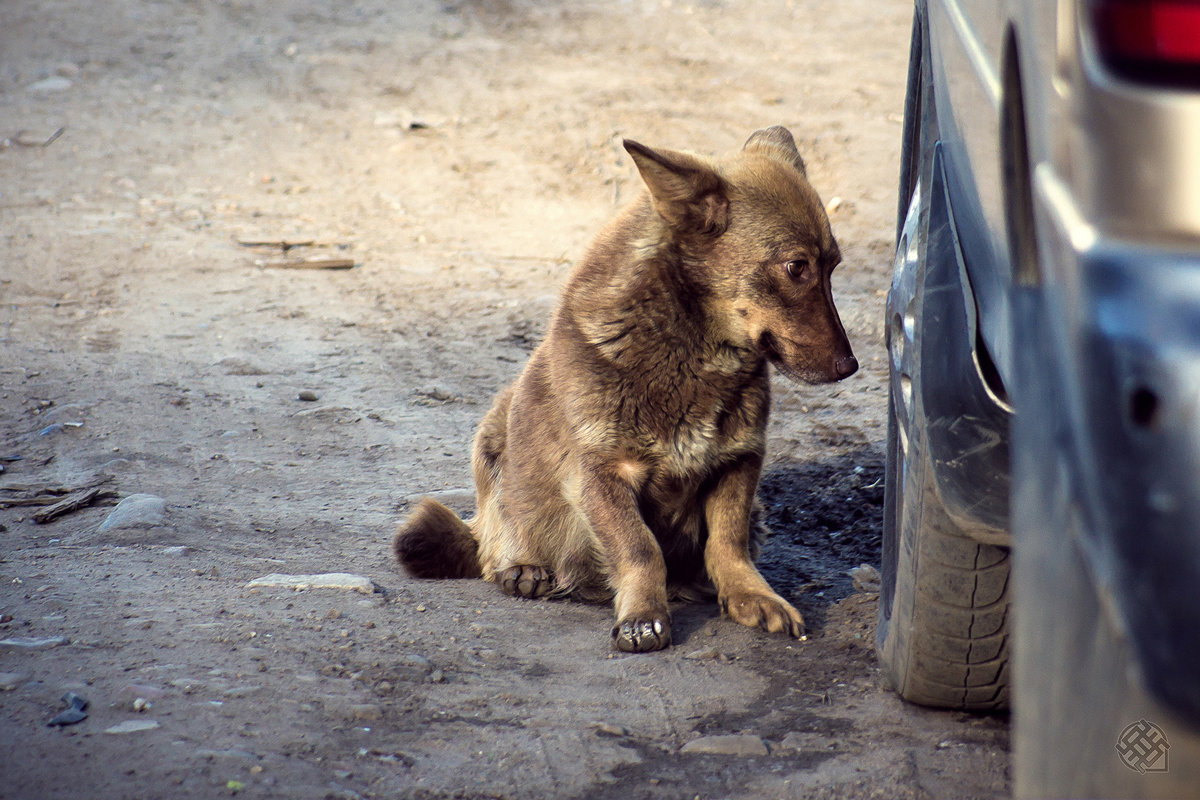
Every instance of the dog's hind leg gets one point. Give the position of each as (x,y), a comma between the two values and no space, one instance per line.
(492,524)
(743,593)
(490,442)
(526,581)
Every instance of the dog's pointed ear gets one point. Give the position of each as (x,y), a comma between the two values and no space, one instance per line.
(777,141)
(685,191)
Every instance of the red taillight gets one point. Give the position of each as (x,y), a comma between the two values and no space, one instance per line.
(1149,40)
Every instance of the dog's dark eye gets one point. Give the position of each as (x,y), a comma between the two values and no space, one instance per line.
(797,269)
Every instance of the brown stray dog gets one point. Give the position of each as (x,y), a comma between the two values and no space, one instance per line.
(624,461)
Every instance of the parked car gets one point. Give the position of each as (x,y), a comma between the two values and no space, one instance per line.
(1042,523)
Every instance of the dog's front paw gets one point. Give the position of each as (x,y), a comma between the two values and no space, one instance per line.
(768,611)
(642,634)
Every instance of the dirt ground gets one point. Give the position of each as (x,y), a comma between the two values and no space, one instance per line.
(460,154)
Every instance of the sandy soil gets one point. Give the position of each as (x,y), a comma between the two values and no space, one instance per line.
(460,154)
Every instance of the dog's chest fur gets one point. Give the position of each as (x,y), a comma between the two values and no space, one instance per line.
(673,397)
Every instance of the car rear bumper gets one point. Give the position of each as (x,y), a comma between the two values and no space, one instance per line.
(1121,353)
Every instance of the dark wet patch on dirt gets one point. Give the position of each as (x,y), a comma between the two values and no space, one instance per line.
(826,517)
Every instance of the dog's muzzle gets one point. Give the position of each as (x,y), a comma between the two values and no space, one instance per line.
(846,366)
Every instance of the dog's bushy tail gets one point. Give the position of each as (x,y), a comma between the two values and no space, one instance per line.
(434,543)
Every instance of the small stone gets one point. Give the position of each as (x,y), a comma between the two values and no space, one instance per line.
(76,710)
(187,685)
(611,729)
(177,550)
(865,579)
(437,676)
(327,580)
(704,654)
(308,396)
(133,726)
(55,83)
(727,745)
(141,704)
(136,511)
(11,680)
(366,711)
(33,642)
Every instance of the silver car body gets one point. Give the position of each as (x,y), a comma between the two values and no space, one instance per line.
(1074,197)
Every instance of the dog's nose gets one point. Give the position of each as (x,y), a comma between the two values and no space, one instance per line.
(846,366)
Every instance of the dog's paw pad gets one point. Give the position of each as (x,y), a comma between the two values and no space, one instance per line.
(638,635)
(526,581)
(767,611)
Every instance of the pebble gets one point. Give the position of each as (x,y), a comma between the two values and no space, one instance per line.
(704,654)
(187,685)
(33,643)
(865,578)
(75,713)
(178,550)
(308,396)
(136,511)
(366,711)
(11,680)
(55,83)
(133,726)
(611,729)
(727,745)
(327,580)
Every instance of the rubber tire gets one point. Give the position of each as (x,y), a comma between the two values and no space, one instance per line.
(943,634)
